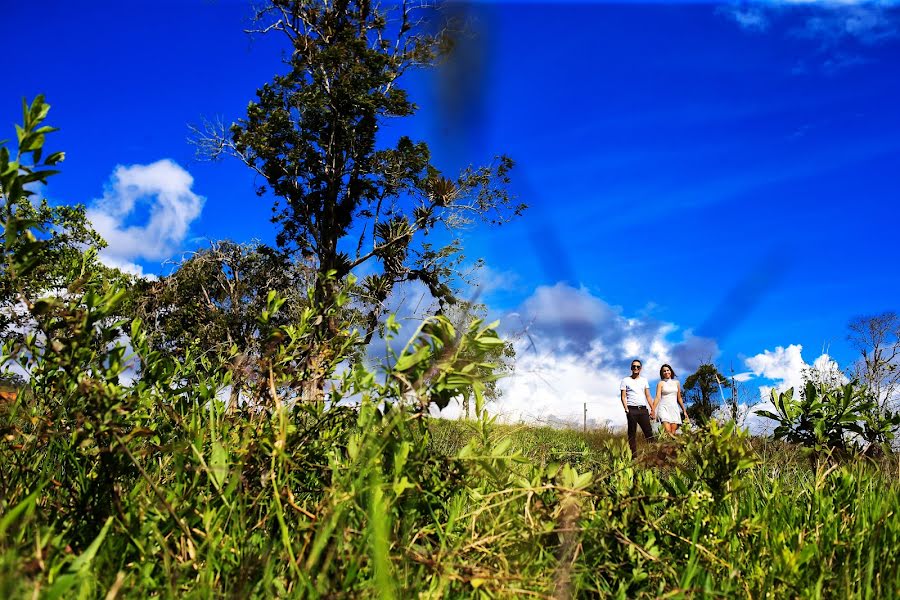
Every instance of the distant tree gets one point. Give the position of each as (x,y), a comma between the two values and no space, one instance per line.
(212,301)
(344,200)
(823,376)
(877,339)
(701,389)
(11,381)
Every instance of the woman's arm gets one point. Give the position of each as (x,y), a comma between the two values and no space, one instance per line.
(681,401)
(658,395)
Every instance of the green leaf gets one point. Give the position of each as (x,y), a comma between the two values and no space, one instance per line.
(400,486)
(55,158)
(78,568)
(406,361)
(135,328)
(27,504)
(39,176)
(218,463)
(768,415)
(38,110)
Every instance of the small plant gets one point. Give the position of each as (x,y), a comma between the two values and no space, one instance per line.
(717,456)
(825,418)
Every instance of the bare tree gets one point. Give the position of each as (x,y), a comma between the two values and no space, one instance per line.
(877,338)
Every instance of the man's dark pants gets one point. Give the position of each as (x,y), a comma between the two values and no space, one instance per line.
(638,415)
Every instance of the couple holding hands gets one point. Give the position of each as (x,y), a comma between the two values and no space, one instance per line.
(640,408)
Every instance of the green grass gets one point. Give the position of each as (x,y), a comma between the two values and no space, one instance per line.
(339,504)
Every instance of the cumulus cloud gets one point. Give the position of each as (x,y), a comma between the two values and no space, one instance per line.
(573,348)
(783,365)
(161,189)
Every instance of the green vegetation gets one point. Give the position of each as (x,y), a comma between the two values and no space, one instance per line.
(345,199)
(701,388)
(125,473)
(304,502)
(833,418)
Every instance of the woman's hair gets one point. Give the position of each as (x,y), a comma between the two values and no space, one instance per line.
(661,370)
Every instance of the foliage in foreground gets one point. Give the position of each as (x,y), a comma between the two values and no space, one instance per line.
(351,504)
(151,488)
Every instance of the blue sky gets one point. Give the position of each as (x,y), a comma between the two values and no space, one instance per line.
(705,180)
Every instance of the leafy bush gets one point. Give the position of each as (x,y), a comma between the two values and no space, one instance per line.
(827,418)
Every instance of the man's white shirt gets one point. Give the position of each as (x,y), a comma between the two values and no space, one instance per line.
(634,391)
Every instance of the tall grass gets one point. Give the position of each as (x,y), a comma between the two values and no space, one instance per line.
(363,504)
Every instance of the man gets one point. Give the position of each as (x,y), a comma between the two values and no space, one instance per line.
(638,410)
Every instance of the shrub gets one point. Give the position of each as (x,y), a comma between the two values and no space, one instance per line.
(825,419)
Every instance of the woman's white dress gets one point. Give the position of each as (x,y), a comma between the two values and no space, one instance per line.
(668,410)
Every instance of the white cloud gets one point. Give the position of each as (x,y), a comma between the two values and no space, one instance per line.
(782,365)
(123,265)
(866,23)
(162,188)
(489,280)
(749,18)
(573,348)
(742,377)
(786,368)
(840,29)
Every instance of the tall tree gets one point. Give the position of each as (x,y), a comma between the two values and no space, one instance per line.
(877,338)
(343,198)
(701,388)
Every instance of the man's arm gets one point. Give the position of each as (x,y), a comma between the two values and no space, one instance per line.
(624,402)
(650,402)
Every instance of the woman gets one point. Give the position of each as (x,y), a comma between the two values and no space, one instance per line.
(668,400)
